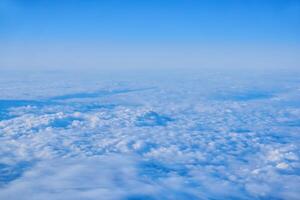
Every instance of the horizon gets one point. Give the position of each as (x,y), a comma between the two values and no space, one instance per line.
(135,34)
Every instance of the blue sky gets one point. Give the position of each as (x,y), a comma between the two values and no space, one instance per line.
(146,33)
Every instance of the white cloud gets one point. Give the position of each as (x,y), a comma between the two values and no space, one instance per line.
(211,147)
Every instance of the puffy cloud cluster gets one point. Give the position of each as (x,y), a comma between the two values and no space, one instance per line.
(171,141)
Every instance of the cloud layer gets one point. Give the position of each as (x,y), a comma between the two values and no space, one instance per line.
(202,136)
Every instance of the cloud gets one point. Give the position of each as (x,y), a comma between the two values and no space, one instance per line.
(108,177)
(182,139)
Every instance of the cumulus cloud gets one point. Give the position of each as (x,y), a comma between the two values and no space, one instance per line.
(173,141)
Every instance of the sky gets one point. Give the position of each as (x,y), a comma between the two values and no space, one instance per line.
(58,34)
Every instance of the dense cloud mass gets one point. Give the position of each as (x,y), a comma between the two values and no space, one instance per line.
(195,136)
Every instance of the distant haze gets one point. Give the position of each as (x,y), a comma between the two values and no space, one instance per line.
(149,34)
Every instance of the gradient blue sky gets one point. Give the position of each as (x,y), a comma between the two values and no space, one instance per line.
(153,33)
